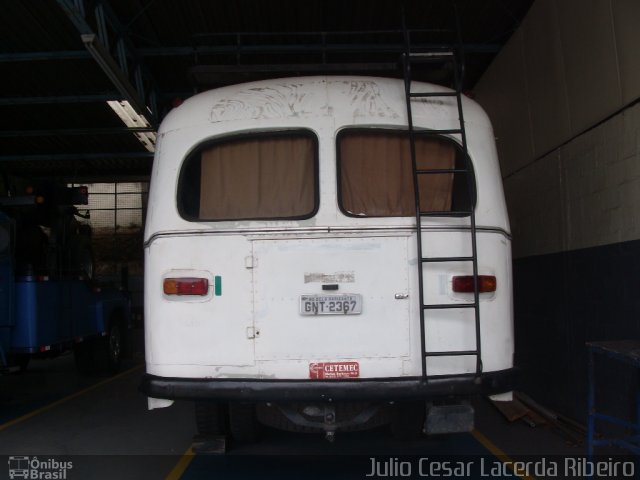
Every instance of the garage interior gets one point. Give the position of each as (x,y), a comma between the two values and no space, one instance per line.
(86,84)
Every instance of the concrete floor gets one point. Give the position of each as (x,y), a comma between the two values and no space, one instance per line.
(102,425)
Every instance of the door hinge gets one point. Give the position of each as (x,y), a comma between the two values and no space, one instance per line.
(250,262)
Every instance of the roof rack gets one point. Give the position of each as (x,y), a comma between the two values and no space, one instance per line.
(224,58)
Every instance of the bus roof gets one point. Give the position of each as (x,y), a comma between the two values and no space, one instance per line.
(324,105)
(344,100)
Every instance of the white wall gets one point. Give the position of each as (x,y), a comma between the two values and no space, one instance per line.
(572,64)
(584,194)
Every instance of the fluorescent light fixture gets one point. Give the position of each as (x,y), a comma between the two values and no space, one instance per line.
(125,109)
(131,119)
(106,62)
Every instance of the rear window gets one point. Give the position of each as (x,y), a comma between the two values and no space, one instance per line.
(262,176)
(375,175)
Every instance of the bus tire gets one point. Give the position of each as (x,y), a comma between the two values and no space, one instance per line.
(83,354)
(407,420)
(211,418)
(114,344)
(243,424)
(107,355)
(21,360)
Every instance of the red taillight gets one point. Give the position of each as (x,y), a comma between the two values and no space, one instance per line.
(464,284)
(186,286)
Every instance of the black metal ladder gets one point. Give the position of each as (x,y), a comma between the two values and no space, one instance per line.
(447,56)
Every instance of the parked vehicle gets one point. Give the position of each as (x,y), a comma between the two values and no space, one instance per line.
(49,302)
(286,282)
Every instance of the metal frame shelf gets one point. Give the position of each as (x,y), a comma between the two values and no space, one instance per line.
(626,352)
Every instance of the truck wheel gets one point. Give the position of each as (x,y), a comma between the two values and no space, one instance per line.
(21,360)
(407,420)
(114,348)
(107,354)
(211,418)
(243,424)
(83,353)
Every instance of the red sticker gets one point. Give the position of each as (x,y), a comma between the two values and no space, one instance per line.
(334,370)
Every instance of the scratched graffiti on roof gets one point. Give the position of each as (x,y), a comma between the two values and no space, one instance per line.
(301,100)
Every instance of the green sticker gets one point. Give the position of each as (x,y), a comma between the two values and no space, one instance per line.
(217,285)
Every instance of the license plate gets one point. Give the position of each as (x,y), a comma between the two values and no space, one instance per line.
(341,304)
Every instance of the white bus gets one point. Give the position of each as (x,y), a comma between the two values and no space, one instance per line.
(282,268)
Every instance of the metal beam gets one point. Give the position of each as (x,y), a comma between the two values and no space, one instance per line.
(101,54)
(45,56)
(491,48)
(306,48)
(292,67)
(61,99)
(111,68)
(75,15)
(76,156)
(73,131)
(98,177)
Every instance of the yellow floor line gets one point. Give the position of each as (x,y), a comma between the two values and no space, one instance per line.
(497,452)
(182,465)
(46,408)
(188,456)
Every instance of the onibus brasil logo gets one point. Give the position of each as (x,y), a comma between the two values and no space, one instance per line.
(33,468)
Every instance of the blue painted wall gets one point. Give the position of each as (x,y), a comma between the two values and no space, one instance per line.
(563,300)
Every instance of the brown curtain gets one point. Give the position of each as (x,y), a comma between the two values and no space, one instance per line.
(376,179)
(271,177)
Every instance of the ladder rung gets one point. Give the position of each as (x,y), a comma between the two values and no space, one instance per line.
(433,171)
(427,57)
(445,306)
(444,214)
(444,53)
(446,259)
(432,94)
(451,131)
(453,353)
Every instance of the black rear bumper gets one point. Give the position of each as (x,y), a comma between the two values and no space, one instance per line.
(328,390)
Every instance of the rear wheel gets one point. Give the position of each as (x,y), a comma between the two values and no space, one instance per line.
(103,354)
(407,420)
(114,348)
(243,424)
(211,418)
(21,360)
(83,353)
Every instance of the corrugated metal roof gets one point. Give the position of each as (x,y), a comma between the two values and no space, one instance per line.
(52,83)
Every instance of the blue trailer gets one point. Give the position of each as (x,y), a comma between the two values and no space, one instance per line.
(49,302)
